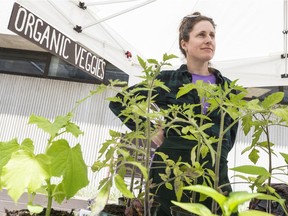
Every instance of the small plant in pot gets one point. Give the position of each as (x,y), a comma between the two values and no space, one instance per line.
(259,116)
(59,172)
(193,126)
(125,149)
(131,152)
(134,148)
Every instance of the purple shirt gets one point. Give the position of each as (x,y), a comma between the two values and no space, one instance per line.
(208,79)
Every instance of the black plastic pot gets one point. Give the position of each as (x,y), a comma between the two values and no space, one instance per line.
(119,210)
(154,208)
(25,212)
(113,210)
(177,211)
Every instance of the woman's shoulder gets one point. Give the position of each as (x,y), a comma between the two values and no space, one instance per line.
(219,76)
(168,74)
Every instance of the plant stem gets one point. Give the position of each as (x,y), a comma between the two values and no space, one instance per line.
(266,130)
(199,141)
(50,198)
(218,158)
(148,149)
(133,170)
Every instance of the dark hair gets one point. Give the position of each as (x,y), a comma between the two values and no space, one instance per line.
(187,24)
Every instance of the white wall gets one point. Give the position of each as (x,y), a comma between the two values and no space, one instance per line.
(21,96)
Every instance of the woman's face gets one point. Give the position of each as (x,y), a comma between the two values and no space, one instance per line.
(201,44)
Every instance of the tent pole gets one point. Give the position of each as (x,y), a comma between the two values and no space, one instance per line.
(119,13)
(108,2)
(285,32)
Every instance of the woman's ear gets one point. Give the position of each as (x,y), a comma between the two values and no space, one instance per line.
(183,45)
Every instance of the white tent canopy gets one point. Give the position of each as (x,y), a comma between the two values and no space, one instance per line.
(249,32)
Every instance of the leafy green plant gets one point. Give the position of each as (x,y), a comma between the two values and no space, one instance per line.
(59,172)
(123,149)
(257,116)
(130,153)
(260,116)
(133,148)
(228,204)
(226,101)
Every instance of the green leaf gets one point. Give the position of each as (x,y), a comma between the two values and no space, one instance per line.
(168,186)
(184,89)
(59,194)
(254,213)
(204,151)
(167,57)
(163,156)
(142,168)
(193,154)
(178,188)
(234,113)
(42,123)
(74,129)
(47,126)
(256,135)
(218,197)
(102,198)
(142,62)
(246,123)
(152,61)
(206,126)
(254,155)
(97,165)
(242,177)
(36,209)
(248,148)
(285,156)
(237,198)
(6,150)
(272,99)
(124,153)
(113,133)
(196,208)
(265,144)
(27,145)
(68,163)
(24,171)
(282,113)
(254,105)
(253,170)
(122,187)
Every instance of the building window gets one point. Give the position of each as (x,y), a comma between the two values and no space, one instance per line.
(43,64)
(59,68)
(23,62)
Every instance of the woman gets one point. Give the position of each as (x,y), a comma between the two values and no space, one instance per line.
(197,43)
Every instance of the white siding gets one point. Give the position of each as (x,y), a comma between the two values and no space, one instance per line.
(21,96)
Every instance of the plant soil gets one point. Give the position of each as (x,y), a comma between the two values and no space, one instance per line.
(113,209)
(25,212)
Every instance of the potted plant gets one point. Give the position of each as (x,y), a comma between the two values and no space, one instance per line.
(123,149)
(131,152)
(59,171)
(225,102)
(258,116)
(133,148)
